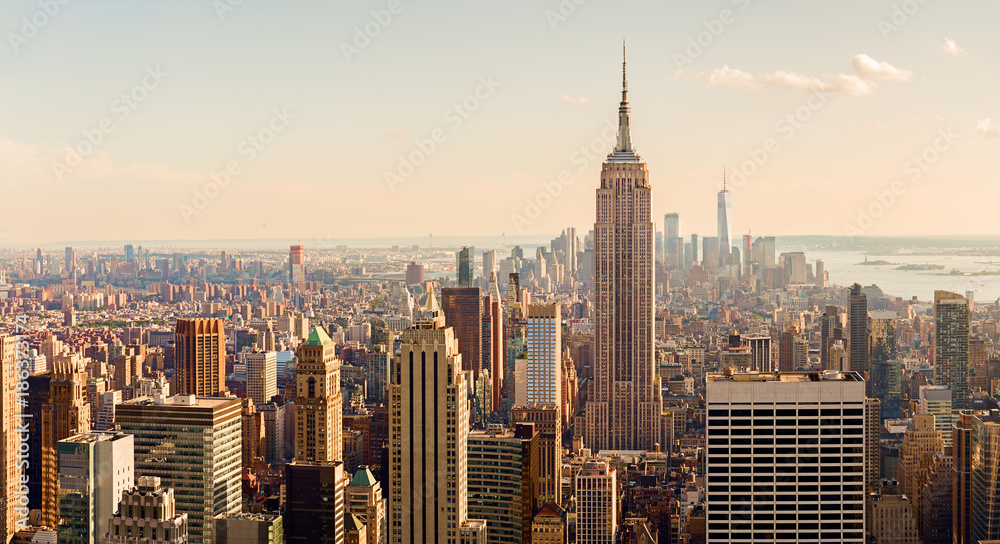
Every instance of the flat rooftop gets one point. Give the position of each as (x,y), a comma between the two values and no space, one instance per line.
(783,377)
(184,401)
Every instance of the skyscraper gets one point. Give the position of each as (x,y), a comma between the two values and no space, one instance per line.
(503,479)
(884,363)
(858,322)
(774,440)
(428,451)
(951,345)
(94,470)
(672,251)
(66,413)
(465,266)
(262,376)
(194,446)
(627,406)
(319,401)
(596,490)
(200,357)
(489,261)
(544,325)
(463,311)
(725,222)
(9,474)
(296,264)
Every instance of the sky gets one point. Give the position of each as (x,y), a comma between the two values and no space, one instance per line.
(222,119)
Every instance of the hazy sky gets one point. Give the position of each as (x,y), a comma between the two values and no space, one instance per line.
(314,104)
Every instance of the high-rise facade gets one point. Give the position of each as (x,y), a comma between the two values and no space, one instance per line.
(951,346)
(463,311)
(774,442)
(725,224)
(66,413)
(626,408)
(296,264)
(200,357)
(319,401)
(94,470)
(858,322)
(364,499)
(544,343)
(596,491)
(428,448)
(10,473)
(936,400)
(262,376)
(883,353)
(465,266)
(146,513)
(503,475)
(673,244)
(194,445)
(984,487)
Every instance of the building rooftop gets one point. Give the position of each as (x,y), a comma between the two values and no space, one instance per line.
(318,337)
(363,478)
(189,401)
(828,375)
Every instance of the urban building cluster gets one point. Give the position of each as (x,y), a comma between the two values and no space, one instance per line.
(635,385)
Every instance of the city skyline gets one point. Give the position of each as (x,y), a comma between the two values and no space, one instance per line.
(894,81)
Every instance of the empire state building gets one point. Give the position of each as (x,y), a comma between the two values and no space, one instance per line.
(625,409)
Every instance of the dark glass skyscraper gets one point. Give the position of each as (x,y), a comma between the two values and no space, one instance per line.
(465,266)
(951,345)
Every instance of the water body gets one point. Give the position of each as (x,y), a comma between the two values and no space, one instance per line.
(844,269)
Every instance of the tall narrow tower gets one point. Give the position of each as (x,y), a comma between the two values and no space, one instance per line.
(428,452)
(725,222)
(625,410)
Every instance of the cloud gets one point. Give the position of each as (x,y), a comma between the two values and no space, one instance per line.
(574,100)
(729,77)
(396,133)
(862,83)
(871,69)
(949,47)
(987,129)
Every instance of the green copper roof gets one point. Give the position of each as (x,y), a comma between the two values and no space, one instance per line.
(318,337)
(363,478)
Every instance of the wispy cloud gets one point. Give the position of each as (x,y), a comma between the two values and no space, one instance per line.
(729,77)
(987,129)
(867,69)
(949,47)
(574,100)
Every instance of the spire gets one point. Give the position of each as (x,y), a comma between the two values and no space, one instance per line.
(624,135)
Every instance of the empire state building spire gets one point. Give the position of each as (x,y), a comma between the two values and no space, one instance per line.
(624,136)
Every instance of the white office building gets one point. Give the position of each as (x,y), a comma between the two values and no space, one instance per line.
(785,457)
